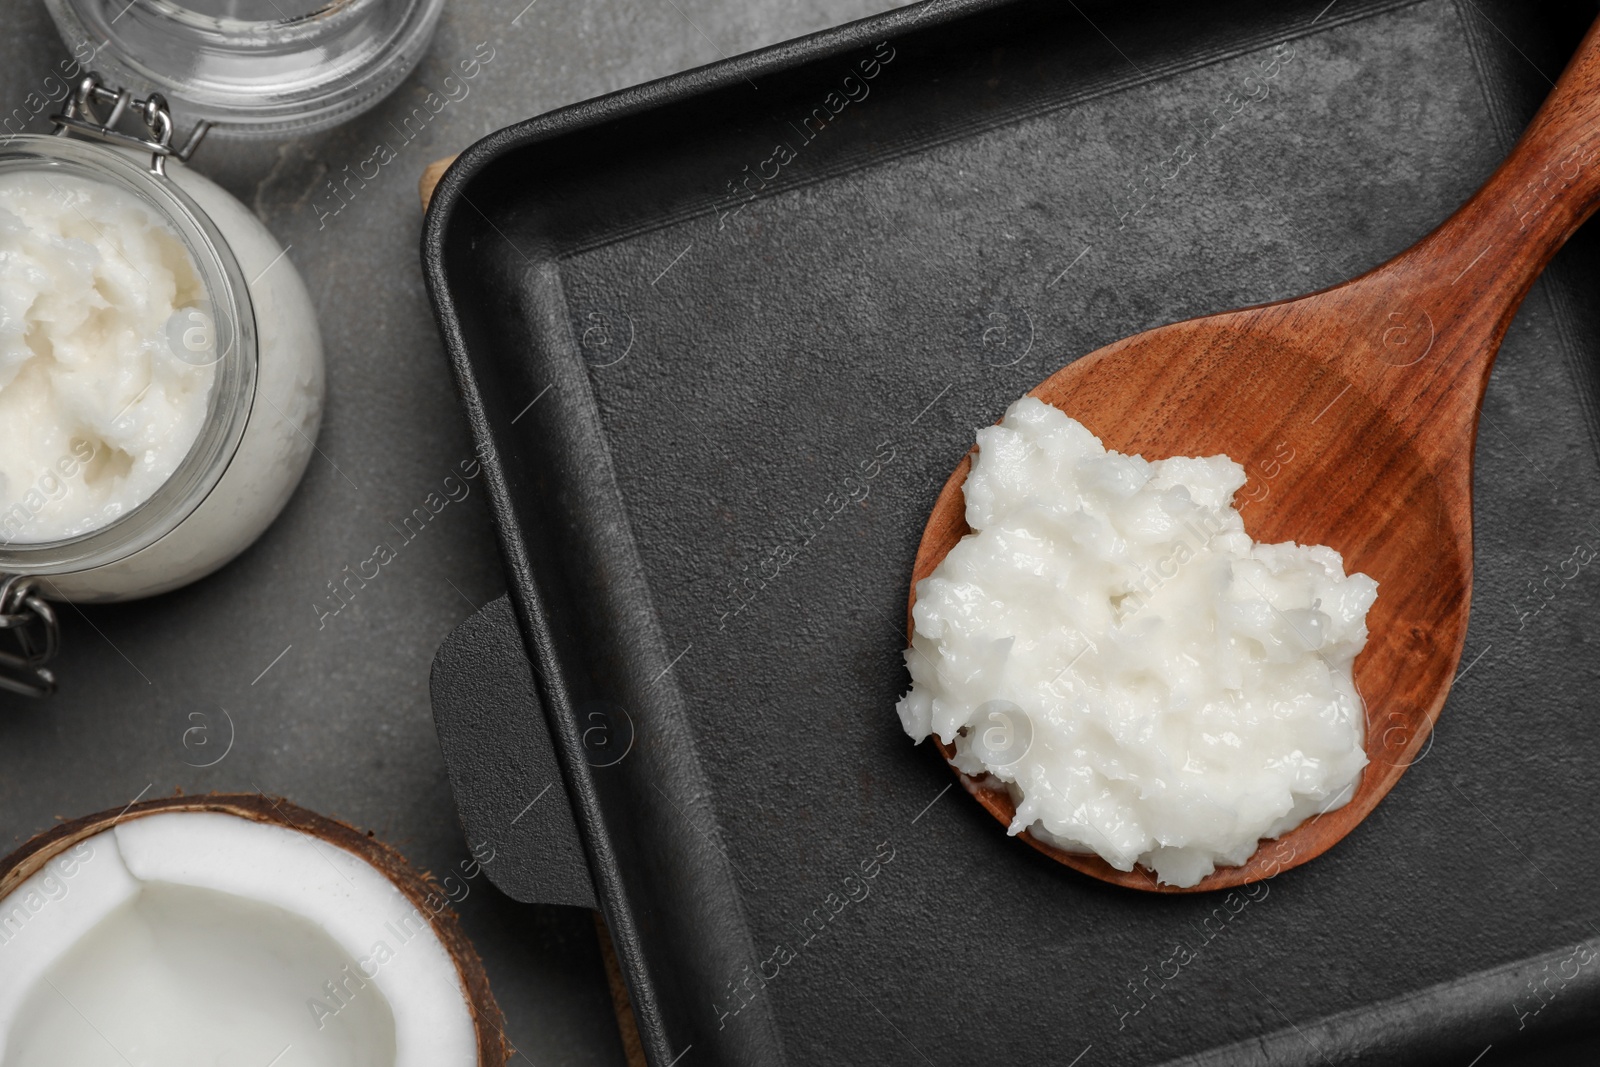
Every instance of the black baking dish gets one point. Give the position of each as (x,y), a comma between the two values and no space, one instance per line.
(721,337)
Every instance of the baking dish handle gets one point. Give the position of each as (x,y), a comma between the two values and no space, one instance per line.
(497,748)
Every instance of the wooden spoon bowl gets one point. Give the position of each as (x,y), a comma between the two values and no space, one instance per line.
(1354,411)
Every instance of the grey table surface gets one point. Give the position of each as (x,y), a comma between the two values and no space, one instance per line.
(340,721)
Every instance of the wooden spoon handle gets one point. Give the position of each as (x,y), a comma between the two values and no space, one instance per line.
(1420,332)
(1494,247)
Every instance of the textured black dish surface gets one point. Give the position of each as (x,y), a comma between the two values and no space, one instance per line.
(722,338)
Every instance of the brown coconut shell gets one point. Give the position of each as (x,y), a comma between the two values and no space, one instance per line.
(419,887)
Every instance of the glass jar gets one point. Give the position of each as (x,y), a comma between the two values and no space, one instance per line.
(265,401)
(255,67)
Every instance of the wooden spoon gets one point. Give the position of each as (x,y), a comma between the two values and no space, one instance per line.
(1354,411)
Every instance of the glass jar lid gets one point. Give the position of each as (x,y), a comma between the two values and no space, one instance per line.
(255,67)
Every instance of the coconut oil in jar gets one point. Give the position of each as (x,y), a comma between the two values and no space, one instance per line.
(161,375)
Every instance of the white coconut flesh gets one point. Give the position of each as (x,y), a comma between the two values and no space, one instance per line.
(199,938)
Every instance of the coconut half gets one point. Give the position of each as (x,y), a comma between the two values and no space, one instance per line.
(238,930)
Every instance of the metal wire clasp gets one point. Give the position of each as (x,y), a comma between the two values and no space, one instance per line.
(33,623)
(82,116)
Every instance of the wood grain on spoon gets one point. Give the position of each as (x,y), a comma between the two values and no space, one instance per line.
(1354,411)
